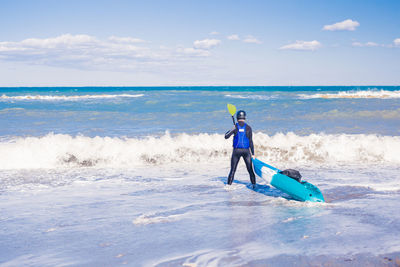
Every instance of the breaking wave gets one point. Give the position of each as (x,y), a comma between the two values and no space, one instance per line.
(61,150)
(65,97)
(355,94)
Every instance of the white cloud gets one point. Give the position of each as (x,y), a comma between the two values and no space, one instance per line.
(233,37)
(88,52)
(206,43)
(367,44)
(125,40)
(251,39)
(396,43)
(65,40)
(371,44)
(302,46)
(357,44)
(346,25)
(214,33)
(194,51)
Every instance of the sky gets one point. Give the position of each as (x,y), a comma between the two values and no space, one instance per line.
(187,42)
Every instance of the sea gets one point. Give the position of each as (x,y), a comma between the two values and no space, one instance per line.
(136,176)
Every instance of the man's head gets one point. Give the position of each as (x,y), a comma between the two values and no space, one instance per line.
(241,115)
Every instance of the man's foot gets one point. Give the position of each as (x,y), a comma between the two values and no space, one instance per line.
(253,186)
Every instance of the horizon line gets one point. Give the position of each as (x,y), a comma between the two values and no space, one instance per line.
(182,86)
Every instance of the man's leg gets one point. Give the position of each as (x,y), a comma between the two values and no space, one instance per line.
(234,162)
(249,165)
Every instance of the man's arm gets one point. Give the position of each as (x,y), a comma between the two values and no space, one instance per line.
(230,132)
(249,134)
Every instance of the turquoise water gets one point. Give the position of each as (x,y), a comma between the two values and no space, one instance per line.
(122,175)
(153,110)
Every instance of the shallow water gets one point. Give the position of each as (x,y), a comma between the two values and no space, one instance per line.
(185,215)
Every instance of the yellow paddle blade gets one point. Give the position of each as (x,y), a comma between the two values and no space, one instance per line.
(232,109)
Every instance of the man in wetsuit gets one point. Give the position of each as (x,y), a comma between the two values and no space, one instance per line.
(242,146)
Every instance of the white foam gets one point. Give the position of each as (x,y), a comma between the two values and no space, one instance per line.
(38,259)
(322,148)
(254,97)
(150,219)
(372,93)
(66,97)
(385,185)
(61,150)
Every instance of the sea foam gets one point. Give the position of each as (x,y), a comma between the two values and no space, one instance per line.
(355,94)
(66,97)
(251,96)
(61,150)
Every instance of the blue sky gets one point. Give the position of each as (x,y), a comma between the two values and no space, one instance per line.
(144,43)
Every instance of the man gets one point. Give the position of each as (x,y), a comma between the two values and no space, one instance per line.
(242,146)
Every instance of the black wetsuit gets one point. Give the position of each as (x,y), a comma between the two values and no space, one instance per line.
(242,152)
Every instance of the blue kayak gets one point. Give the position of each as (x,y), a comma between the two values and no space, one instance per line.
(303,191)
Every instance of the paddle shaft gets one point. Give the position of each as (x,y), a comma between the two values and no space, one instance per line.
(233,119)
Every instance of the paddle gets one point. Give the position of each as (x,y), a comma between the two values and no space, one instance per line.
(232,111)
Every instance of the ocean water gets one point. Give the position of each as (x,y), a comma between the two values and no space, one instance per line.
(108,176)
